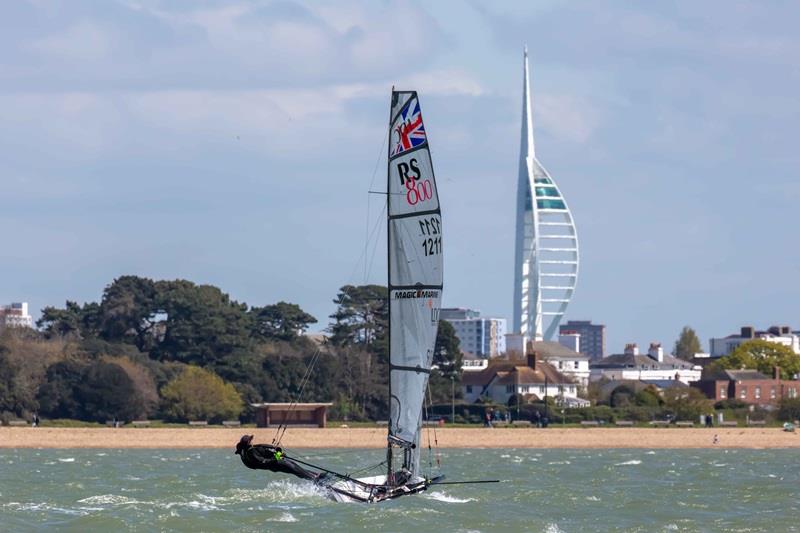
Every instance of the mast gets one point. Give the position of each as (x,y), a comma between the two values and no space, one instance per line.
(389,473)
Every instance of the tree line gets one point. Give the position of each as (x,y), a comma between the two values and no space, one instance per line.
(176,350)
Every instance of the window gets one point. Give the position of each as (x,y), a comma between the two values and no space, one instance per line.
(542,180)
(743,393)
(723,392)
(758,392)
(572,389)
(550,204)
(546,191)
(772,393)
(469,389)
(541,389)
(792,392)
(510,388)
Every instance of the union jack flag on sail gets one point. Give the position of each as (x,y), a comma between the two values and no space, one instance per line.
(410,132)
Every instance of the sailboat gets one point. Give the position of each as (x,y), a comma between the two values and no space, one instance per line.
(415,278)
(414,226)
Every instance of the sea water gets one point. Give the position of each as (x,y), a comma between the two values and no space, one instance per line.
(542,490)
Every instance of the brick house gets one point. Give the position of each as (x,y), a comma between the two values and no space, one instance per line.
(749,386)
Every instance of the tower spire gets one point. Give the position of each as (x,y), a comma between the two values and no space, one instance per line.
(546,252)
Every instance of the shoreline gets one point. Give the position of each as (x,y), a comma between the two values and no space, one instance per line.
(361,438)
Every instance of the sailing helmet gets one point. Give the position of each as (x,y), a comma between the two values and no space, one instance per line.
(243,444)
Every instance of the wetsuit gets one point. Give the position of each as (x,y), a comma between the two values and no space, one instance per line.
(266,457)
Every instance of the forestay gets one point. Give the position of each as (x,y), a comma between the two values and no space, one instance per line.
(415,271)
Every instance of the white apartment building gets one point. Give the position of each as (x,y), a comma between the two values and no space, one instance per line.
(784,335)
(482,336)
(15,315)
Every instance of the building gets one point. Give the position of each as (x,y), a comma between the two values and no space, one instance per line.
(563,358)
(655,366)
(592,337)
(15,315)
(291,414)
(784,335)
(481,336)
(546,249)
(472,363)
(749,386)
(533,381)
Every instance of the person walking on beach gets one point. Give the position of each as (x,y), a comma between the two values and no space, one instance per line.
(35,422)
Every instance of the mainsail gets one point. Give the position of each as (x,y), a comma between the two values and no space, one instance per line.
(415,274)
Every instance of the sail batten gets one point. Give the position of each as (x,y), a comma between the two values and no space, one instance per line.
(415,272)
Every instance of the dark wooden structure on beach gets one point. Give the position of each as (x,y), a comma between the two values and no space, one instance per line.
(295,415)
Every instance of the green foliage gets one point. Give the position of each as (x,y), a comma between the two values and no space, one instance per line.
(445,379)
(72,322)
(198,394)
(361,316)
(14,398)
(789,410)
(731,403)
(281,321)
(128,311)
(202,323)
(97,390)
(763,356)
(687,344)
(648,397)
(686,403)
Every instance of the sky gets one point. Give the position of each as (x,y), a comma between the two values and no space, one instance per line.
(234,143)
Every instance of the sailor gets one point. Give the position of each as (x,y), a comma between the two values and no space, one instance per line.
(267,457)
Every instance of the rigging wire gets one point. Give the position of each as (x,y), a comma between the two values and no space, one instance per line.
(276,440)
(435,436)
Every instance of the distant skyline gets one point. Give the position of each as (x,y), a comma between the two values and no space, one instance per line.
(233,143)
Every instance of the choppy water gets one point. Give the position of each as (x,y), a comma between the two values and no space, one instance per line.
(549,491)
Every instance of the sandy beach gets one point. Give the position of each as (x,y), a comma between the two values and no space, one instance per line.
(14,437)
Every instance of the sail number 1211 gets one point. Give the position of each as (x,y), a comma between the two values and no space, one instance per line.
(430,228)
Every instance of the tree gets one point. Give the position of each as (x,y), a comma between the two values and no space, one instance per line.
(100,390)
(128,311)
(361,317)
(106,391)
(198,394)
(57,398)
(282,321)
(687,344)
(72,322)
(202,326)
(763,356)
(445,379)
(686,403)
(13,397)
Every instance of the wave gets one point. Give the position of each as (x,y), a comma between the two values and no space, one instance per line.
(629,463)
(67,460)
(446,498)
(285,517)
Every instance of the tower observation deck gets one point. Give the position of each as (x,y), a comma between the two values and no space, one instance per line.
(546,251)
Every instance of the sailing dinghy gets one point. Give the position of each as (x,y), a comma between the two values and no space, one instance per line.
(415,294)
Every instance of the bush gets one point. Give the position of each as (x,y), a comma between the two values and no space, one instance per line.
(789,410)
(198,394)
(730,403)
